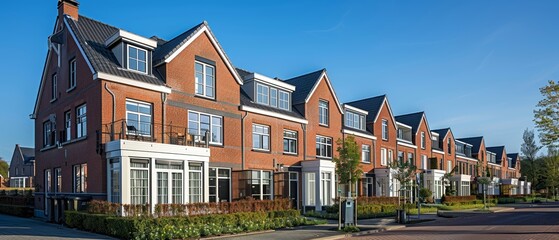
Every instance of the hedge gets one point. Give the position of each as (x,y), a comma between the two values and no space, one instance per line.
(17,200)
(20,211)
(183,227)
(458,200)
(192,209)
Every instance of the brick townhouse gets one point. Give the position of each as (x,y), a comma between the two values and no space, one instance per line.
(135,120)
(381,123)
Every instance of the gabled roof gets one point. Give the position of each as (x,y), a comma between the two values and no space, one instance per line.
(474,141)
(514,157)
(413,120)
(442,132)
(371,105)
(168,51)
(305,86)
(498,150)
(28,154)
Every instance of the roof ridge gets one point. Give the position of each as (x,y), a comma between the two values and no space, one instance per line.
(407,114)
(364,99)
(306,74)
(183,32)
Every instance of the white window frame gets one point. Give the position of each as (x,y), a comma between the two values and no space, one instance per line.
(216,186)
(422,140)
(58,180)
(411,158)
(139,129)
(354,120)
(384,129)
(390,157)
(326,144)
(326,188)
(212,128)
(282,101)
(262,94)
(192,197)
(323,113)
(310,178)
(274,97)
(80,172)
(264,137)
(143,186)
(424,161)
(383,157)
(54,87)
(203,81)
(137,59)
(68,125)
(48,130)
(366,153)
(449,166)
(288,140)
(81,121)
(72,79)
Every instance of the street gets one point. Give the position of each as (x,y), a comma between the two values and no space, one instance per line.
(24,228)
(538,222)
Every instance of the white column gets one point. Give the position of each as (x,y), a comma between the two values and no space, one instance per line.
(109,192)
(125,180)
(186,183)
(153,184)
(206,181)
(318,191)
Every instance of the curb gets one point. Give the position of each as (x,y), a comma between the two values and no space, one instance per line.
(240,234)
(363,233)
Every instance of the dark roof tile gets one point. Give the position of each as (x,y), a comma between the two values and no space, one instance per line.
(371,105)
(412,119)
(303,85)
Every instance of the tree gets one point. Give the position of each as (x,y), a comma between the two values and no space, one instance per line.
(347,164)
(4,169)
(552,171)
(404,172)
(530,150)
(449,189)
(546,115)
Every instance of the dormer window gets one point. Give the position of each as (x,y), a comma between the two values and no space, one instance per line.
(271,96)
(137,59)
(354,120)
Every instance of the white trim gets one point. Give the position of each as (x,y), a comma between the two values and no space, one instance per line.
(403,125)
(79,45)
(406,144)
(324,76)
(270,81)
(385,101)
(352,108)
(137,59)
(347,131)
(438,151)
(216,46)
(134,83)
(426,124)
(466,158)
(134,38)
(494,164)
(465,143)
(273,114)
(434,133)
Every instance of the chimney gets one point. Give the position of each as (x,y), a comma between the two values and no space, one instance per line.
(68,7)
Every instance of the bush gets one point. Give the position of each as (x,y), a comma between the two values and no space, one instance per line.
(458,200)
(20,211)
(184,227)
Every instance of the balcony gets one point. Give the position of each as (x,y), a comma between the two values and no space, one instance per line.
(154,133)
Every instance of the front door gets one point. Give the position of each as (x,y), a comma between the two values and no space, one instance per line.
(220,185)
(294,189)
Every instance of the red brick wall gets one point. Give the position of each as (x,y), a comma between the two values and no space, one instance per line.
(333,130)
(389,144)
(423,151)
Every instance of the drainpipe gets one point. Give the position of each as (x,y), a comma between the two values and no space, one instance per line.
(114,109)
(243,158)
(304,127)
(163,111)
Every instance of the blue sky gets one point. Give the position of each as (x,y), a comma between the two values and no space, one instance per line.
(475,66)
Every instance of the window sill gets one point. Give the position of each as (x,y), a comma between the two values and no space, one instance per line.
(70,89)
(74,140)
(386,140)
(46,148)
(366,162)
(323,125)
(261,150)
(53,100)
(322,157)
(290,154)
(204,97)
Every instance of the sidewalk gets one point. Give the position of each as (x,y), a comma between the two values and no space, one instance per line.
(471,212)
(329,231)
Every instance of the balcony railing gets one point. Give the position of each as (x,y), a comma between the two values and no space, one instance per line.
(157,133)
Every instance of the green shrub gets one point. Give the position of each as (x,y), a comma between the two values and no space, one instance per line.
(20,211)
(184,227)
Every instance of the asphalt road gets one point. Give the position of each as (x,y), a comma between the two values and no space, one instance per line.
(537,222)
(26,228)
